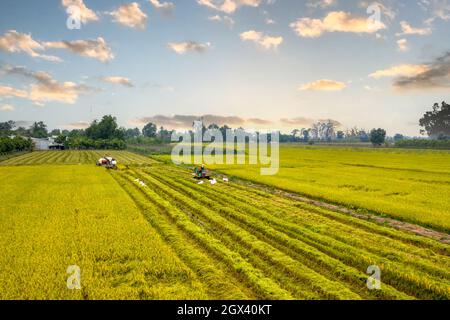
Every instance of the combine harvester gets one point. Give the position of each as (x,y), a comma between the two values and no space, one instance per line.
(107,162)
(201,173)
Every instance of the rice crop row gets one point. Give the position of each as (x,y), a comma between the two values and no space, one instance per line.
(75,157)
(309,247)
(403,184)
(53,217)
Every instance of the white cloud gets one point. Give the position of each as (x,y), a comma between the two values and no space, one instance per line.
(86,14)
(224,19)
(66,92)
(126,82)
(435,76)
(96,49)
(323,85)
(403,70)
(77,125)
(336,21)
(188,46)
(165,7)
(264,41)
(407,29)
(321,3)
(14,42)
(228,6)
(130,15)
(402,45)
(7,107)
(43,88)
(438,9)
(8,92)
(372,89)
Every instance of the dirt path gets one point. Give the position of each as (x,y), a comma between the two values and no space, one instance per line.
(400,225)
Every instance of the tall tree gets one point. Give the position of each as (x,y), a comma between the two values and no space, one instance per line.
(6,128)
(106,129)
(213,126)
(21,131)
(377,136)
(55,132)
(149,130)
(224,129)
(363,136)
(164,134)
(324,130)
(132,133)
(399,137)
(305,134)
(39,130)
(437,121)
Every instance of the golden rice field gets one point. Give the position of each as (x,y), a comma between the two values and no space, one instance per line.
(74,157)
(149,231)
(52,217)
(410,185)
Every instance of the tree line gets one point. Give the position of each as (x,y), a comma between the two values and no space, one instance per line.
(435,124)
(103,134)
(12,143)
(106,133)
(15,144)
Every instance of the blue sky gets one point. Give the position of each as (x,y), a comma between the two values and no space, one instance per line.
(278,64)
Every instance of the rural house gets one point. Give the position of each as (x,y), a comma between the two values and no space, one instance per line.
(46,144)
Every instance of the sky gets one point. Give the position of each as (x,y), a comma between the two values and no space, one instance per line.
(272,64)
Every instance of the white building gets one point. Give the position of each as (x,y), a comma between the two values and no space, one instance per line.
(46,144)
